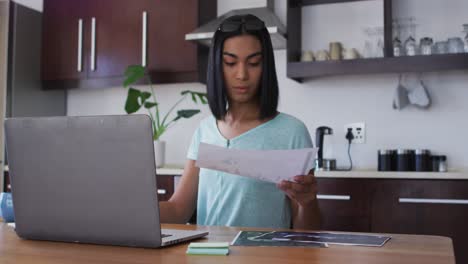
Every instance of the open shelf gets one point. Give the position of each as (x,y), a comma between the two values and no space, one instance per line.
(421,63)
(299,71)
(319,2)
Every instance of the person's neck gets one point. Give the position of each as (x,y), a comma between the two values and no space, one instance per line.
(238,113)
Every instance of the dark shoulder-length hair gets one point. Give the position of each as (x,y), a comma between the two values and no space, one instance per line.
(268,91)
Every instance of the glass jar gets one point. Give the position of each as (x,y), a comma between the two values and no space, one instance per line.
(440,47)
(455,45)
(426,46)
(443,163)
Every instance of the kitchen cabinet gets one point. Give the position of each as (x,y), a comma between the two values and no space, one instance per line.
(169,54)
(63,23)
(405,206)
(299,70)
(426,207)
(165,186)
(344,205)
(115,34)
(89,44)
(6,182)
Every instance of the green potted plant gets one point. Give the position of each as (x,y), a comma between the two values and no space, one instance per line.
(137,99)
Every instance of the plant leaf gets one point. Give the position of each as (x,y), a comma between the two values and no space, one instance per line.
(187,113)
(132,74)
(148,105)
(203,97)
(131,104)
(144,96)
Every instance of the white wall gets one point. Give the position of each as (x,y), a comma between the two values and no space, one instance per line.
(335,101)
(34,4)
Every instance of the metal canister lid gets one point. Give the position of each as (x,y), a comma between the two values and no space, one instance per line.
(422,152)
(386,151)
(403,151)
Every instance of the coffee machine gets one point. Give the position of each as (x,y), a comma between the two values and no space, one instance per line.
(320,136)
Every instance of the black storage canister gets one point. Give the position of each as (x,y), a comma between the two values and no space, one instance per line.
(403,160)
(435,163)
(386,160)
(412,159)
(422,160)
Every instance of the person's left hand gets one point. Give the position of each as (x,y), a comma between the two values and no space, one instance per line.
(303,190)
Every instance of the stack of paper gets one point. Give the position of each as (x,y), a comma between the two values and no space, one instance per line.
(221,248)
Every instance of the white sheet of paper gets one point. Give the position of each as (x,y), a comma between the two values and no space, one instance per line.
(266,165)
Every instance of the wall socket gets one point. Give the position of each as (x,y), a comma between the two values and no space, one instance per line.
(359,132)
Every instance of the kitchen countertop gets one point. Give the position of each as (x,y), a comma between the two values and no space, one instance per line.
(172,170)
(370,174)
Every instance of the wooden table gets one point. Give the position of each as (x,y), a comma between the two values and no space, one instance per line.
(400,249)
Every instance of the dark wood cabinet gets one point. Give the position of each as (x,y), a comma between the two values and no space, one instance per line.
(299,71)
(62,24)
(118,33)
(6,182)
(426,207)
(165,186)
(402,206)
(169,53)
(117,36)
(344,205)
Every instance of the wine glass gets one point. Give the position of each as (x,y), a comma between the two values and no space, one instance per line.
(410,42)
(397,47)
(379,34)
(465,40)
(374,44)
(368,49)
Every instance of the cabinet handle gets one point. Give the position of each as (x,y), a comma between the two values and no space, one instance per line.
(143,38)
(80,44)
(333,197)
(161,191)
(432,201)
(93,44)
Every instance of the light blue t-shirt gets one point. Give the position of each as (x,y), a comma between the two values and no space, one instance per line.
(230,200)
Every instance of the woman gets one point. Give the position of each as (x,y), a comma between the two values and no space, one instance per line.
(243,97)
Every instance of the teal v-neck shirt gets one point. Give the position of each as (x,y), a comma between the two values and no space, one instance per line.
(231,200)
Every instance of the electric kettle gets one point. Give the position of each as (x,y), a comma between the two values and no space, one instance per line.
(323,140)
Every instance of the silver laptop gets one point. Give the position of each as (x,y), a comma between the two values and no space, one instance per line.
(87,179)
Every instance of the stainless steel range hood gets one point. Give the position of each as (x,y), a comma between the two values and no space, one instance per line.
(277,30)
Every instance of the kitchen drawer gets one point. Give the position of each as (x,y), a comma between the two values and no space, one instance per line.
(165,185)
(344,204)
(419,206)
(425,207)
(6,182)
